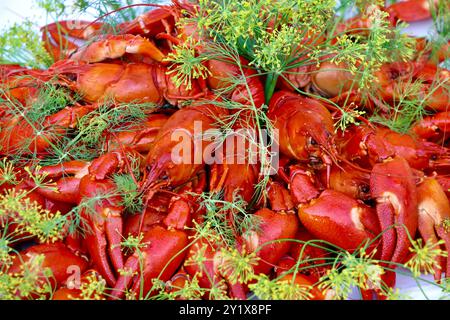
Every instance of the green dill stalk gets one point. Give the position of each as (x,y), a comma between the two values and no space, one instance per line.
(271,82)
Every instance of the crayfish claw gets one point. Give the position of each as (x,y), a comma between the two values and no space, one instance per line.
(393,186)
(434,216)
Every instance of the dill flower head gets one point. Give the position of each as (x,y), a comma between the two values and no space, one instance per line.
(21,43)
(31,282)
(425,257)
(187,64)
(30,218)
(236,266)
(274,49)
(267,289)
(358,270)
(93,287)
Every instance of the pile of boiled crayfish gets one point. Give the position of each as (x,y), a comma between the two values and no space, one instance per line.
(366,184)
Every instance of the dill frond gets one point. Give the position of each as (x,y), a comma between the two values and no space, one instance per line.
(91,127)
(50,100)
(217,226)
(55,8)
(128,190)
(100,8)
(410,105)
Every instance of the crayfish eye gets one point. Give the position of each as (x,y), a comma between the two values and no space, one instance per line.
(312,142)
(394,74)
(315,162)
(364,188)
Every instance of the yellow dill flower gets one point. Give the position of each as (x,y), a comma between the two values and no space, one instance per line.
(446,225)
(219,291)
(360,271)
(93,288)
(31,282)
(199,258)
(267,289)
(425,257)
(5,252)
(21,44)
(134,243)
(237,266)
(274,48)
(7,174)
(30,217)
(364,54)
(191,290)
(187,64)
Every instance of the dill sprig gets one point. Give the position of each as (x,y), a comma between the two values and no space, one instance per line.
(31,282)
(114,117)
(87,141)
(100,8)
(266,289)
(30,218)
(187,64)
(216,219)
(409,105)
(425,257)
(21,44)
(49,101)
(129,192)
(237,266)
(93,287)
(364,54)
(358,270)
